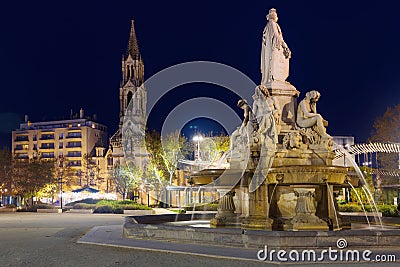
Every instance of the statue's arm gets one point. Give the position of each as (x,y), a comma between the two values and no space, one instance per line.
(246,117)
(306,111)
(278,35)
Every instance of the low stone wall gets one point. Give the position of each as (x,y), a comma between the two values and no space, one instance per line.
(139,212)
(85,211)
(8,209)
(237,237)
(49,210)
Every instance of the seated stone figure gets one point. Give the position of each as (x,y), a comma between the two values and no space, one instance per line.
(241,136)
(307,116)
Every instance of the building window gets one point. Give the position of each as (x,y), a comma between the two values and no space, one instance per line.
(74,144)
(109,161)
(25,147)
(47,137)
(22,156)
(47,146)
(47,155)
(74,135)
(74,154)
(61,136)
(21,138)
(60,145)
(74,163)
(18,147)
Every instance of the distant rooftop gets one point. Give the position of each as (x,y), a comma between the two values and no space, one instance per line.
(69,123)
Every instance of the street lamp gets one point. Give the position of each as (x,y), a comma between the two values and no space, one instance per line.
(198,139)
(60,181)
(2,198)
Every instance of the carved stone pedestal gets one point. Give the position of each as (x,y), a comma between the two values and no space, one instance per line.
(258,210)
(305,218)
(226,211)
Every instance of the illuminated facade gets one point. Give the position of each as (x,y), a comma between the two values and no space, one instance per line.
(127,144)
(75,140)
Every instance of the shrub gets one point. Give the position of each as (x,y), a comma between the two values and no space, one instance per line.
(350,208)
(389,210)
(84,206)
(85,201)
(103,209)
(125,202)
(43,206)
(133,207)
(202,207)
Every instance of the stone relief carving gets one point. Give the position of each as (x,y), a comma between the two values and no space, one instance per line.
(293,140)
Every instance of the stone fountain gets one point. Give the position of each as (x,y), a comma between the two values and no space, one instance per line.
(282,154)
(280,176)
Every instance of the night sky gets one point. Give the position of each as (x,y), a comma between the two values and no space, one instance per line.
(61,55)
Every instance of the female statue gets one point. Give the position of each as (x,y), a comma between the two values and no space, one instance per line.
(275,53)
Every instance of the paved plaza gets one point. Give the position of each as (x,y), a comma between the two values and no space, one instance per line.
(34,239)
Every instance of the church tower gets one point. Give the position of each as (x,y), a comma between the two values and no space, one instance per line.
(128,142)
(132,79)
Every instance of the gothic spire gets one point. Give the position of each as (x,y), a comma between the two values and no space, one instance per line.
(133,47)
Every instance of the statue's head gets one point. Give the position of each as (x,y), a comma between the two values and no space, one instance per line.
(272,15)
(241,103)
(313,95)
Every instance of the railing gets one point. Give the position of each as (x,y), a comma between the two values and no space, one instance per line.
(21,138)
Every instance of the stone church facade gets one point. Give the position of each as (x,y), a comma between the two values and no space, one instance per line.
(127,144)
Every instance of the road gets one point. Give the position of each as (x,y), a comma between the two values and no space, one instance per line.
(35,239)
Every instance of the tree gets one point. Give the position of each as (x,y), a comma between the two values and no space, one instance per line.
(5,168)
(174,148)
(31,176)
(65,173)
(91,171)
(222,143)
(126,177)
(387,129)
(156,167)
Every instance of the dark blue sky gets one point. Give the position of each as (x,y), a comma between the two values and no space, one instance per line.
(58,55)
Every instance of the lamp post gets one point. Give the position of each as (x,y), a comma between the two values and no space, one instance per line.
(198,139)
(60,181)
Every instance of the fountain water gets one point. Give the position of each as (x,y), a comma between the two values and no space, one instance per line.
(362,205)
(364,185)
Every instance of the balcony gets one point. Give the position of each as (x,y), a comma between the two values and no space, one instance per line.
(47,146)
(47,137)
(74,154)
(74,135)
(21,138)
(74,144)
(48,155)
(75,163)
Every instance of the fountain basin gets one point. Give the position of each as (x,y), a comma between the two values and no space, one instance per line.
(295,175)
(153,227)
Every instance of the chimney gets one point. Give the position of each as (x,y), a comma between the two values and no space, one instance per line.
(81,113)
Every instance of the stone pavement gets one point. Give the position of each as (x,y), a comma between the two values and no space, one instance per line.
(31,239)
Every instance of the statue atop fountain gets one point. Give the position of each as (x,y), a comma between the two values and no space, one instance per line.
(275,53)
